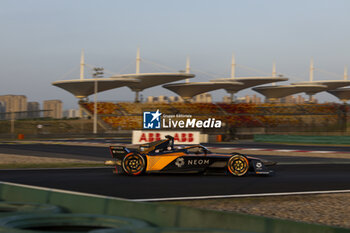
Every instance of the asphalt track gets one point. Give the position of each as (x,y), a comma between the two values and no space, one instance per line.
(288,178)
(294,174)
(59,151)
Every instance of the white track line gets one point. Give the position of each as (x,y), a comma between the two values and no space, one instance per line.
(284,150)
(241,195)
(50,168)
(313,163)
(63,191)
(321,152)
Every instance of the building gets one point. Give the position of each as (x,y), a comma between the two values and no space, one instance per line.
(175,99)
(313,100)
(150,99)
(54,107)
(288,100)
(157,99)
(202,98)
(164,99)
(226,99)
(72,113)
(2,110)
(14,103)
(253,99)
(33,109)
(299,99)
(2,107)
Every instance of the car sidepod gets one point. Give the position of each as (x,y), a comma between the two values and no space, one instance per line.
(183,164)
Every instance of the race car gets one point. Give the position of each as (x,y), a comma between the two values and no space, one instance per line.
(162,157)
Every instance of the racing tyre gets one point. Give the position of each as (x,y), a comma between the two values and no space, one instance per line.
(238,165)
(134,164)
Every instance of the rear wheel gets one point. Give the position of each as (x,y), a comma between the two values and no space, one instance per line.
(134,164)
(238,165)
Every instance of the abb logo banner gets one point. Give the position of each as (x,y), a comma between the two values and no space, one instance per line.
(180,137)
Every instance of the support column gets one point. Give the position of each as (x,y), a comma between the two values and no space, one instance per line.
(312,70)
(137,98)
(80,111)
(344,117)
(274,69)
(233,67)
(138,59)
(274,74)
(188,69)
(345,73)
(310,98)
(82,64)
(95,107)
(12,123)
(232,97)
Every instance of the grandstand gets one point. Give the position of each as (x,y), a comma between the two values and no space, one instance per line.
(128,115)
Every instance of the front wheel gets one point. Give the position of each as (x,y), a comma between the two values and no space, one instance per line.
(238,165)
(134,164)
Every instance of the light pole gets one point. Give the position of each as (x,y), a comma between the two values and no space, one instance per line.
(12,123)
(98,73)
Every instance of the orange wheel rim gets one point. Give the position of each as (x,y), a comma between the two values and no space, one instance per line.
(133,164)
(238,165)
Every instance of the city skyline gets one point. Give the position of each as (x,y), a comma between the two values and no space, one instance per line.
(43,41)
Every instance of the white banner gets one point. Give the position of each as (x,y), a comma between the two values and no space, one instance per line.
(180,137)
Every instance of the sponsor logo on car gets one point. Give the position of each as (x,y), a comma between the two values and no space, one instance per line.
(198,162)
(179,162)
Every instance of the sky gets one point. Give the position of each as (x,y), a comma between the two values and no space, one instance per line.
(41,41)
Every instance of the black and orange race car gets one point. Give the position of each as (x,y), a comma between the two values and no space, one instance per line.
(162,157)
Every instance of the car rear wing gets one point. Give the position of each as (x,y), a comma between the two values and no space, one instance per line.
(119,151)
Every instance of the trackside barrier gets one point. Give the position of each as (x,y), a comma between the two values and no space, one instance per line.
(302,139)
(160,215)
(69,222)
(166,230)
(19,208)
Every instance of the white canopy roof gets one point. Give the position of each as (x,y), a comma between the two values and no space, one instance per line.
(82,88)
(248,82)
(275,92)
(342,93)
(188,90)
(331,84)
(147,80)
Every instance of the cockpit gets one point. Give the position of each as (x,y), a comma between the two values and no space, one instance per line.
(158,146)
(197,150)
